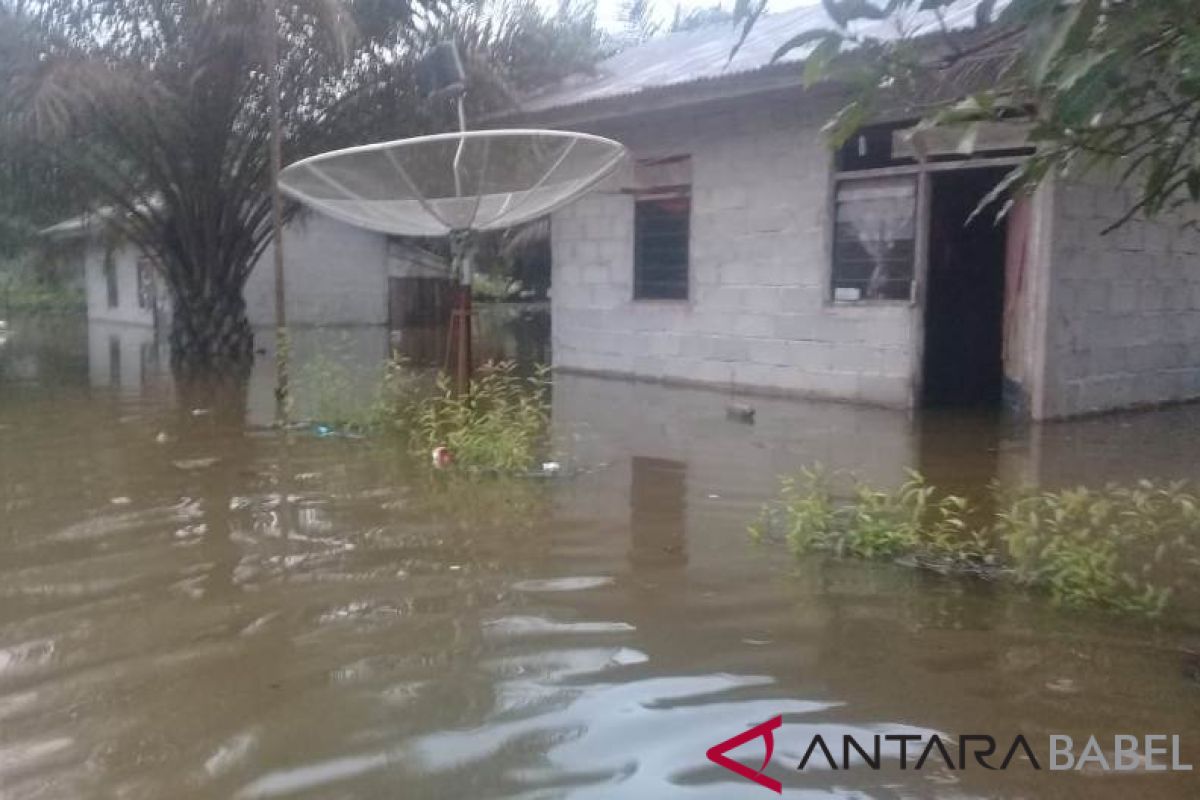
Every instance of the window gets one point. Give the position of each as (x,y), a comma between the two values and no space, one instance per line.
(874,242)
(661,228)
(110,279)
(145,283)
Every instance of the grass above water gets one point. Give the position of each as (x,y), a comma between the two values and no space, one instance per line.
(500,425)
(1125,548)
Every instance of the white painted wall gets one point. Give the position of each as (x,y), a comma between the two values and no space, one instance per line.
(1123,311)
(127,310)
(757,316)
(124,356)
(336,275)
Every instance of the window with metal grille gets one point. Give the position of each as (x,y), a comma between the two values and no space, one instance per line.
(662,228)
(874,244)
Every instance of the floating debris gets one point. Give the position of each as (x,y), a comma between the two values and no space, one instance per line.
(1063,686)
(740,412)
(441,457)
(189,464)
(121,501)
(324,431)
(162,437)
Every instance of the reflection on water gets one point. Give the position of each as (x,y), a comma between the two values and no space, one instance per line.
(193,606)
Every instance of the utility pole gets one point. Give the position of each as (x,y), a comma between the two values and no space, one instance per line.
(282,340)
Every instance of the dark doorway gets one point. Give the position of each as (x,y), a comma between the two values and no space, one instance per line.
(964,301)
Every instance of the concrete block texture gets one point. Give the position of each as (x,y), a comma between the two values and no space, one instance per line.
(757,315)
(1123,306)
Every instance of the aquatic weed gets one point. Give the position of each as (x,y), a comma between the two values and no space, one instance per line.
(500,423)
(1114,548)
(871,523)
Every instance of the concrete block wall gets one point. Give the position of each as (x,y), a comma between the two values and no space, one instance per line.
(1123,317)
(757,315)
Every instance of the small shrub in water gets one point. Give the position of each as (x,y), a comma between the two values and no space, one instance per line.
(1115,548)
(500,424)
(912,520)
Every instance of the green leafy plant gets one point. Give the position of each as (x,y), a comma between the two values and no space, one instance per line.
(912,520)
(22,289)
(499,424)
(1115,547)
(1121,548)
(1106,86)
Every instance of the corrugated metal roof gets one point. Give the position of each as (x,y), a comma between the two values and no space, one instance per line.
(703,54)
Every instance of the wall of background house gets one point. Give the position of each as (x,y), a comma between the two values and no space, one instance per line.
(336,275)
(1123,316)
(757,316)
(124,356)
(127,310)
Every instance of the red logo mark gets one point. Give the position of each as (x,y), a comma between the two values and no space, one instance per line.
(716,753)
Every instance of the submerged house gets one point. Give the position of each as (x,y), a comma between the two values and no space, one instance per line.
(337,274)
(738,250)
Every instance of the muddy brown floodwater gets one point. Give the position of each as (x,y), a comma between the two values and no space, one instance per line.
(192,606)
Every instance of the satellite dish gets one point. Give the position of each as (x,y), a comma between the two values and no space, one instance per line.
(453,182)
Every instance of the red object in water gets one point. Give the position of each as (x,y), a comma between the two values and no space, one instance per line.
(442,457)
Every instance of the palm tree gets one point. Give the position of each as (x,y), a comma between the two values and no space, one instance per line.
(161,111)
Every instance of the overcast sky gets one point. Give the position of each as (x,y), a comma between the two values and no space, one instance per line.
(608,11)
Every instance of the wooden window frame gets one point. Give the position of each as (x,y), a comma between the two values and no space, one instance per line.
(922,171)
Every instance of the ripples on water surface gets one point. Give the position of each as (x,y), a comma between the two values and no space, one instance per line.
(226,614)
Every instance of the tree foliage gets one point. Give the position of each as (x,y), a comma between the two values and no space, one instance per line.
(158,111)
(1108,84)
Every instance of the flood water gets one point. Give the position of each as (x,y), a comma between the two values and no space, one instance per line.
(193,605)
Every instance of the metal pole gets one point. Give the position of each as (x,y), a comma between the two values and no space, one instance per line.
(458,151)
(460,318)
(282,342)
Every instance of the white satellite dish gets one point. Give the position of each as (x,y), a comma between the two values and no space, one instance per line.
(453,182)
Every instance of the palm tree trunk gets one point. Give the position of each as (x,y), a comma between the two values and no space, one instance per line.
(211,335)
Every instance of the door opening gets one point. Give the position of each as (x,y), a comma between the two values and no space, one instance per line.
(964,299)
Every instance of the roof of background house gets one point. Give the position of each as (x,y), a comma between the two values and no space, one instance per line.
(69,228)
(695,58)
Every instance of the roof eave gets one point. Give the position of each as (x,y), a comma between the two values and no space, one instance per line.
(774,78)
